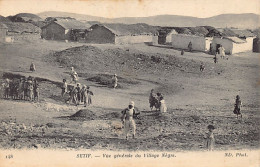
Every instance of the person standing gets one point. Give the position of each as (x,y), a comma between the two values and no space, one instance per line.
(74,75)
(32,67)
(215,59)
(73,95)
(210,138)
(202,67)
(30,89)
(163,107)
(128,120)
(21,89)
(84,95)
(6,86)
(64,88)
(89,93)
(238,105)
(152,99)
(114,81)
(78,94)
(36,90)
(190,47)
(221,51)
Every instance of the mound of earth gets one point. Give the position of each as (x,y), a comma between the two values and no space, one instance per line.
(111,116)
(124,62)
(84,114)
(106,79)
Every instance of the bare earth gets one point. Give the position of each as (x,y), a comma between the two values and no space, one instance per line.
(194,99)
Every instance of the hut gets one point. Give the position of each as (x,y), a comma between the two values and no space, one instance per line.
(3,32)
(232,45)
(165,35)
(64,29)
(121,33)
(245,34)
(199,43)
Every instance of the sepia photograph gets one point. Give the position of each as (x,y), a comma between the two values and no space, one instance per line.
(129,83)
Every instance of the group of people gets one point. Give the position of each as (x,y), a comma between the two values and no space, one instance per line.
(21,89)
(77,94)
(220,53)
(28,89)
(157,101)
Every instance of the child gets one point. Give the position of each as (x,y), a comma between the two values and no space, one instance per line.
(182,52)
(84,95)
(30,89)
(64,88)
(163,107)
(190,47)
(210,138)
(202,67)
(152,99)
(238,105)
(6,86)
(21,89)
(215,58)
(90,93)
(78,93)
(32,67)
(114,81)
(25,89)
(73,96)
(36,90)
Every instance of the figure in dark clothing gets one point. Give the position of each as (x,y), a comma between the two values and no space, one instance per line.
(36,90)
(202,67)
(182,52)
(32,67)
(78,94)
(215,58)
(190,47)
(210,138)
(238,105)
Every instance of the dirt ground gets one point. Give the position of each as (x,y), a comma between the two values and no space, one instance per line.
(194,99)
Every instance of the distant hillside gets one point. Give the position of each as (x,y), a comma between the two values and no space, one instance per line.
(3,19)
(25,17)
(29,15)
(80,17)
(247,20)
(234,20)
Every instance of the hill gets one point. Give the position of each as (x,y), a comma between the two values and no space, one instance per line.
(25,17)
(29,15)
(246,20)
(234,20)
(80,17)
(3,19)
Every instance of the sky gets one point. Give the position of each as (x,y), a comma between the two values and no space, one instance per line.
(132,8)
